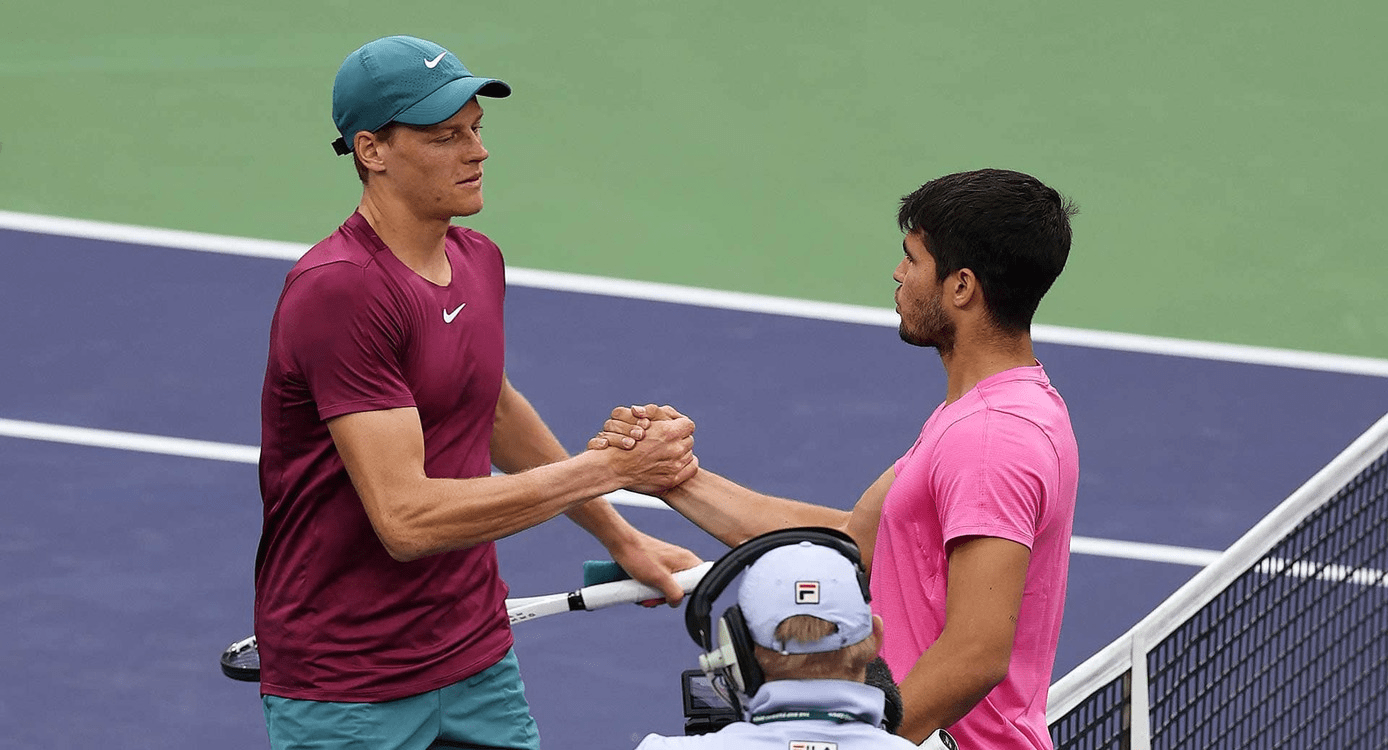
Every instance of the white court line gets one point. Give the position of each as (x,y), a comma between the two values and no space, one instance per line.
(130,441)
(830,311)
(250,454)
(1164,553)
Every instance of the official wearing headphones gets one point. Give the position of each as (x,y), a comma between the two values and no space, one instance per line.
(792,654)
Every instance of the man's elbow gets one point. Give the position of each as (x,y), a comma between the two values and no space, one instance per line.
(401,521)
(406,542)
(406,535)
(993,674)
(986,666)
(991,667)
(401,545)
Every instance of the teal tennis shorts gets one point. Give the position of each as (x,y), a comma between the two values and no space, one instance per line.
(487,710)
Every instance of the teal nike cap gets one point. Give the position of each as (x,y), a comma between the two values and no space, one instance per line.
(402,79)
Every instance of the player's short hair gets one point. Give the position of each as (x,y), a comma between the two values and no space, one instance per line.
(1011,230)
(848,662)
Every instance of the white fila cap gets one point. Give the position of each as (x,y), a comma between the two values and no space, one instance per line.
(804,579)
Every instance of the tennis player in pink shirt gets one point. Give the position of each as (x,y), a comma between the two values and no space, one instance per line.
(967,535)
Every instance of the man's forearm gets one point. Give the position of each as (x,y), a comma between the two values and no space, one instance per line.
(415,515)
(944,685)
(522,441)
(733,514)
(420,516)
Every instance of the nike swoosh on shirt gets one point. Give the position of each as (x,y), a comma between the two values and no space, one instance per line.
(431,63)
(449,316)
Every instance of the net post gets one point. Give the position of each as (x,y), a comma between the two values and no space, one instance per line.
(1139,698)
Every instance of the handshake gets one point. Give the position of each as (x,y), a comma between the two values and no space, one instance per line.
(650,448)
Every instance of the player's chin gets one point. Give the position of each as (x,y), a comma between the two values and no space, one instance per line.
(468,205)
(913,338)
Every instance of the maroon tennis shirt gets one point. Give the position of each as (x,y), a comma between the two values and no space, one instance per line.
(337,619)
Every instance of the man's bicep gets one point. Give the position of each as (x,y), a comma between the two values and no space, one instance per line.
(383,452)
(987,576)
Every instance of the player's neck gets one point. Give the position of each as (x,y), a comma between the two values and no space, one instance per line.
(974,359)
(417,241)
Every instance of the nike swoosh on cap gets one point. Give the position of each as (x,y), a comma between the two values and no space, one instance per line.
(431,63)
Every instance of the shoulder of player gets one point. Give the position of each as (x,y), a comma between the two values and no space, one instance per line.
(340,259)
(1027,402)
(348,244)
(327,280)
(973,432)
(343,290)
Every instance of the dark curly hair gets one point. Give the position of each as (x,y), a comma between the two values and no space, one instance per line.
(1011,230)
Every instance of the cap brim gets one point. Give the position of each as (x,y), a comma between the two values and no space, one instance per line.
(451,97)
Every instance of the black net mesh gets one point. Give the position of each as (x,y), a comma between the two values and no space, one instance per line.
(1293,653)
(1101,721)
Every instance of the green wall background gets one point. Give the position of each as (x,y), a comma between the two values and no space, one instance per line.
(1227,158)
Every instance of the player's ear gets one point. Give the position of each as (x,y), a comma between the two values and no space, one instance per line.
(877,631)
(961,288)
(369,151)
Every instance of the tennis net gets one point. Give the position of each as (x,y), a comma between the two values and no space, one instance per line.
(1280,643)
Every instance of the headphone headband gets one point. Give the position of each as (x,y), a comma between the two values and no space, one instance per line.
(697,609)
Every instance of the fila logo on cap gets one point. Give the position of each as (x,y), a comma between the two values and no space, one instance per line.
(811,745)
(807,592)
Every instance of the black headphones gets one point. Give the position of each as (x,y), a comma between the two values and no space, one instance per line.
(729,661)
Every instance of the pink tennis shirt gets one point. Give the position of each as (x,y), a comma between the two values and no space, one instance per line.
(1000,462)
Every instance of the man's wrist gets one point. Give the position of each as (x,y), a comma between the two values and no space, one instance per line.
(682,492)
(601,466)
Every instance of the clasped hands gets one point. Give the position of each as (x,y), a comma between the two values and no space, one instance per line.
(651,445)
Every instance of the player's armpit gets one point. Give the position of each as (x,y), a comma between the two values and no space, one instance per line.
(862,522)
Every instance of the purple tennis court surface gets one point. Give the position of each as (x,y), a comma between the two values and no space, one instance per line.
(127,571)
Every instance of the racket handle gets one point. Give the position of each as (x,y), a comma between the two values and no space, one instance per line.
(628,592)
(688,579)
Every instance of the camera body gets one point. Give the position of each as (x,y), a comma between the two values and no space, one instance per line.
(704,710)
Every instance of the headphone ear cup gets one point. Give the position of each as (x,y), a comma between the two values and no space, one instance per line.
(748,672)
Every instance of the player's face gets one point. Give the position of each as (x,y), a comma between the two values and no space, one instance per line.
(919,296)
(439,168)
